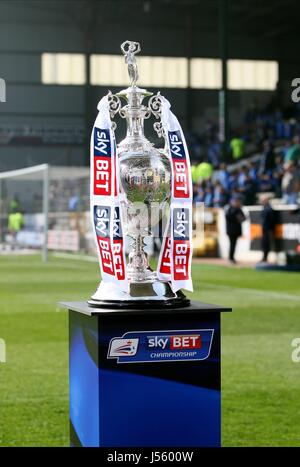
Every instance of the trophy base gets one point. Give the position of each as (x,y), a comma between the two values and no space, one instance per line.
(155,293)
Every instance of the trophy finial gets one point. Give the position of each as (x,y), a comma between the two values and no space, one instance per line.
(130,49)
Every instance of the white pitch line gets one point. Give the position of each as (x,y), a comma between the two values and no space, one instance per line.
(93,259)
(260,293)
(257,292)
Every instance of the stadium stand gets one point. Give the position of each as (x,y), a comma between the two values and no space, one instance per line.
(274,168)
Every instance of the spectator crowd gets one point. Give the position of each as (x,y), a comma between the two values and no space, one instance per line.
(275,168)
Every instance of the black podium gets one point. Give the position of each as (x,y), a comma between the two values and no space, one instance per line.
(146,377)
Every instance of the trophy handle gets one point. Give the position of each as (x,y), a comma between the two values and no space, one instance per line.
(154,106)
(114,104)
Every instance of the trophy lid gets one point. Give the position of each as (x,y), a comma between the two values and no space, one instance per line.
(133,90)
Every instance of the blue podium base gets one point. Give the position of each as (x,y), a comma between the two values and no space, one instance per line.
(143,378)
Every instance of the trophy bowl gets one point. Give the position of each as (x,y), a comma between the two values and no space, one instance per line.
(145,179)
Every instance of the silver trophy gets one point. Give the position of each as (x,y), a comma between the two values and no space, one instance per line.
(145,181)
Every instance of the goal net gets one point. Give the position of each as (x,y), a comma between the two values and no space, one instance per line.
(45,208)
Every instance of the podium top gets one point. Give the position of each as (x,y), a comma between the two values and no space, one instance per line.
(194,307)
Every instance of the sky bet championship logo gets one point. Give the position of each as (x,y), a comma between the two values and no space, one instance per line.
(181,247)
(162,346)
(102,162)
(181,179)
(102,226)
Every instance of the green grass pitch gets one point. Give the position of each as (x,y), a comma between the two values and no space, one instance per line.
(260,383)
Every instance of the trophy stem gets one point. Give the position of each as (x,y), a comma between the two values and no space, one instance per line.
(138,268)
